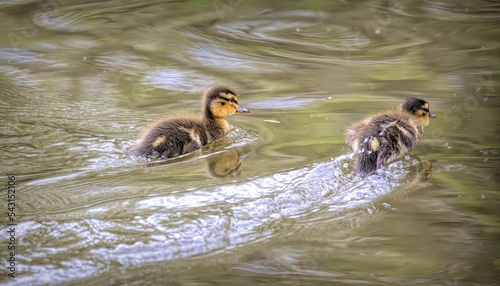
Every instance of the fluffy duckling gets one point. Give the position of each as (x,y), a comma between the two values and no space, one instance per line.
(383,137)
(174,136)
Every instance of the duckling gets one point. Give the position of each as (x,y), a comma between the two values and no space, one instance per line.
(386,136)
(175,136)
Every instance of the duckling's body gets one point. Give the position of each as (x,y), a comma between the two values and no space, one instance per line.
(384,137)
(174,136)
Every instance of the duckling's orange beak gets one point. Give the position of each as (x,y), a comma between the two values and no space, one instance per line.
(433,115)
(242,109)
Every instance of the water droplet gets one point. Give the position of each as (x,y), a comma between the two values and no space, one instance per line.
(344,165)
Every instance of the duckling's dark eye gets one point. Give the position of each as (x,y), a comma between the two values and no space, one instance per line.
(232,100)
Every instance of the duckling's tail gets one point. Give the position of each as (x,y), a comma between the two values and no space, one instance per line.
(366,159)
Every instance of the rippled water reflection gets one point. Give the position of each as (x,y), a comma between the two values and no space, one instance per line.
(275,202)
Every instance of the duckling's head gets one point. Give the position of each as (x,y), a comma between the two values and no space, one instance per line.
(419,108)
(221,101)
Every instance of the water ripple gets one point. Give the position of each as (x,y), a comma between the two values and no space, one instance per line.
(178,80)
(175,225)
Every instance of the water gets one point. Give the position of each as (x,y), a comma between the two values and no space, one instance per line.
(274,203)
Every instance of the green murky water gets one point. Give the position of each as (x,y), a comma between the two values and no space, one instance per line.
(79,80)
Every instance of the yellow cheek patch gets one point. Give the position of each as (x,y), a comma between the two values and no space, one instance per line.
(425,106)
(231,108)
(219,113)
(425,120)
(216,108)
(219,110)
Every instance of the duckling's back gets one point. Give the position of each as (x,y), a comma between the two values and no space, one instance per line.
(172,137)
(382,138)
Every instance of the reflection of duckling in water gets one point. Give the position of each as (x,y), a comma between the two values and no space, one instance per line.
(383,137)
(416,179)
(227,163)
(174,136)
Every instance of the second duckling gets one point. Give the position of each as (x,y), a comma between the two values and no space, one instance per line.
(384,137)
(174,136)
